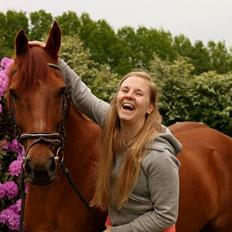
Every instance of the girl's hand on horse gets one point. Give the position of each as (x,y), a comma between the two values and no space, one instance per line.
(36,43)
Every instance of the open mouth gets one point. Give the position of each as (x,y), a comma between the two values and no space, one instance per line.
(128,106)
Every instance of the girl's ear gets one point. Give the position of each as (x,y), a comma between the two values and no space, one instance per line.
(151,108)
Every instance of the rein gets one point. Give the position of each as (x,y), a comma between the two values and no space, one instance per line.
(56,140)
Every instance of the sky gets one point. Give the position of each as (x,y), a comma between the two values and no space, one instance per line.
(197,19)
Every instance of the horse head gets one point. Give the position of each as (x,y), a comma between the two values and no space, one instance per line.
(37,101)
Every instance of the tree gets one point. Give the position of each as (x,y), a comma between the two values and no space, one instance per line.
(70,23)
(40,24)
(99,78)
(186,97)
(11,23)
(100,38)
(182,45)
(152,40)
(200,58)
(126,45)
(220,57)
(4,50)
(174,81)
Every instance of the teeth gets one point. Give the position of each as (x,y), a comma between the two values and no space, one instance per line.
(128,105)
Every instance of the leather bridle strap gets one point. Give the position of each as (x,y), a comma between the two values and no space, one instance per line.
(55,66)
(77,191)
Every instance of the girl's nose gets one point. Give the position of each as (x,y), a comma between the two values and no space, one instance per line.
(130,95)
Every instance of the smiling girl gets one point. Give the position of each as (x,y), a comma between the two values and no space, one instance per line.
(138,181)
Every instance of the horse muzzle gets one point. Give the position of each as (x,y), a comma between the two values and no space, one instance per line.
(40,175)
(42,157)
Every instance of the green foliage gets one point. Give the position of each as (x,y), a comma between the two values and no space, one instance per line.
(40,23)
(100,38)
(10,24)
(211,100)
(173,79)
(188,74)
(126,60)
(184,97)
(200,58)
(70,23)
(123,50)
(98,78)
(138,46)
(220,57)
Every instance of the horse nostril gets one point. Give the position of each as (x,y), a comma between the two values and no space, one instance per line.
(52,164)
(28,166)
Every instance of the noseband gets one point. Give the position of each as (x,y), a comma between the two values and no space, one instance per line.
(52,139)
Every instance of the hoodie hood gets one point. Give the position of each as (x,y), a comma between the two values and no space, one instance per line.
(166,140)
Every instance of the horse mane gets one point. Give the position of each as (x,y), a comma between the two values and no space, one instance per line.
(31,67)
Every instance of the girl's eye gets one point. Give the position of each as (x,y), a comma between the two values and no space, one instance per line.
(139,93)
(124,90)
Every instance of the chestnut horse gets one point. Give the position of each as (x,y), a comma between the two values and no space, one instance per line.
(53,135)
(205,179)
(38,104)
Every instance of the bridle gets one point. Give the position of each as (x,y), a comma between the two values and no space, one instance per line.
(55,140)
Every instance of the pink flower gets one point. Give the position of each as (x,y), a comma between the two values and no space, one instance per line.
(5,62)
(11,189)
(8,189)
(10,218)
(15,167)
(16,207)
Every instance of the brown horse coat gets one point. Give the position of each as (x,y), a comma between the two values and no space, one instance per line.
(205,179)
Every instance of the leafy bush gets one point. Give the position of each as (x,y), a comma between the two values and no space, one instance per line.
(97,77)
(185,97)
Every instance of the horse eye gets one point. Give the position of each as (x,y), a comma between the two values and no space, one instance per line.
(13,94)
(63,91)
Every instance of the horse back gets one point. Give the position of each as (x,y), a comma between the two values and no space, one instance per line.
(205,178)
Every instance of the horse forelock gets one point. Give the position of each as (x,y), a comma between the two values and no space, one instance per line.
(31,67)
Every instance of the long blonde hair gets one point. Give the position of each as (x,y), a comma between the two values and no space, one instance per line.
(118,192)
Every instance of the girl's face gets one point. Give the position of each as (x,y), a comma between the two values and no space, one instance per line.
(133,100)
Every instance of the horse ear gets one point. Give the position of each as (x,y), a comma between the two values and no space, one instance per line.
(54,41)
(21,43)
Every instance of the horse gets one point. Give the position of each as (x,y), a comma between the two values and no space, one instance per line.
(61,144)
(205,179)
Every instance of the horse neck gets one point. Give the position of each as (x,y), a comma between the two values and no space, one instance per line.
(82,143)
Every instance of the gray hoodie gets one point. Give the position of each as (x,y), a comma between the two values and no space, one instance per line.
(153,204)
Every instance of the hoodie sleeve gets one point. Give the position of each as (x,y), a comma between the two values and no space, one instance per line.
(82,97)
(161,169)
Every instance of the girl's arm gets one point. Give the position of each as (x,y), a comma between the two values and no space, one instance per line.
(82,97)
(163,180)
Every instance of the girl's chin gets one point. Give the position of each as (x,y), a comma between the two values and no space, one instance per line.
(127,119)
